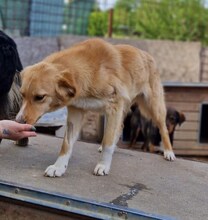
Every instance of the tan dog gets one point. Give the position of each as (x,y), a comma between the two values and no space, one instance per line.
(94,75)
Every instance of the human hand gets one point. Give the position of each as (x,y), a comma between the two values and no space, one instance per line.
(16,131)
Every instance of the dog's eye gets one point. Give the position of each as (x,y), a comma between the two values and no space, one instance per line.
(39,97)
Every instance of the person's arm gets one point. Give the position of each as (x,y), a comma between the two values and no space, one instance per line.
(15,131)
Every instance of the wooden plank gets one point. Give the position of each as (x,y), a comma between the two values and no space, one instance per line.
(189,145)
(198,152)
(188,126)
(186,135)
(184,106)
(188,95)
(183,144)
(192,116)
(186,90)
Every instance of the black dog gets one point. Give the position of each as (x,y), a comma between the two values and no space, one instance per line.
(10,66)
(150,132)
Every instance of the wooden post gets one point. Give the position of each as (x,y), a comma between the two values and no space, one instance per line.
(110,22)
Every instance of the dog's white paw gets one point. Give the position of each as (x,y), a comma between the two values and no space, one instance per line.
(101,169)
(169,155)
(100,149)
(53,171)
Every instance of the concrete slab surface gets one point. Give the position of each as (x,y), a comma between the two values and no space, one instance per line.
(137,180)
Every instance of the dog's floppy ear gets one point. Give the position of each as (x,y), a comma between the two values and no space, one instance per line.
(65,86)
(181,118)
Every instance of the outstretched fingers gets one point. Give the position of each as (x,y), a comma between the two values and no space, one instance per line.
(27,127)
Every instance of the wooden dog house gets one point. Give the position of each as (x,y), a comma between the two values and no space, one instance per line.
(192,99)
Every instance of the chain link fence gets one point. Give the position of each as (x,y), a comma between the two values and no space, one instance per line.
(153,19)
(45,17)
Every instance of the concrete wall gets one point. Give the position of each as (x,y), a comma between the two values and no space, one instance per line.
(177,61)
(204,65)
(34,49)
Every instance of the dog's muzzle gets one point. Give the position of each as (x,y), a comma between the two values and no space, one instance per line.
(20,119)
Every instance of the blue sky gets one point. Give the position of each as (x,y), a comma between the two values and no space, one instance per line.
(106,4)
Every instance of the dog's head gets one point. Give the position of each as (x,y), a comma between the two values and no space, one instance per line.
(174,118)
(9,62)
(45,88)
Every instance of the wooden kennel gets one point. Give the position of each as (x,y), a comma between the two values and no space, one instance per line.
(192,99)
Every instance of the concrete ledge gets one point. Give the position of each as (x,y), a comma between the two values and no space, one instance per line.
(137,180)
(34,49)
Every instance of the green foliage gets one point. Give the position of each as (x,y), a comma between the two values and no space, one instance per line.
(175,20)
(123,18)
(97,24)
(184,20)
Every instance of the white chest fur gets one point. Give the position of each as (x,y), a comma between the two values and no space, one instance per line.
(89,103)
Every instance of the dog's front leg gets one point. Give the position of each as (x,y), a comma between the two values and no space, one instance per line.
(73,126)
(114,119)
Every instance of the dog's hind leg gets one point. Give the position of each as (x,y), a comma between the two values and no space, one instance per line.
(152,104)
(112,133)
(73,126)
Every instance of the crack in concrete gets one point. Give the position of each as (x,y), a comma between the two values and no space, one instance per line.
(134,190)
